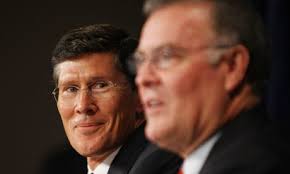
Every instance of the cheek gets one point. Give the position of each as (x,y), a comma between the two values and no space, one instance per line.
(187,91)
(65,114)
(122,118)
(192,81)
(181,83)
(121,109)
(111,106)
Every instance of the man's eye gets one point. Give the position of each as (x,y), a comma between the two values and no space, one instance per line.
(164,59)
(101,85)
(166,54)
(70,89)
(138,59)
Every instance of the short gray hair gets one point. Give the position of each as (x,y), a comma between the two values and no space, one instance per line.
(237,21)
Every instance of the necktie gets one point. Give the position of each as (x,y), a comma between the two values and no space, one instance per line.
(180,171)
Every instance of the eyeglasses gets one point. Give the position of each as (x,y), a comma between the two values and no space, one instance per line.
(166,57)
(101,89)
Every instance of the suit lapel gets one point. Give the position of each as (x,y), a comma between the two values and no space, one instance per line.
(237,144)
(129,152)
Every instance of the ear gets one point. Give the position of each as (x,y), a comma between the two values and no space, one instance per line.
(236,62)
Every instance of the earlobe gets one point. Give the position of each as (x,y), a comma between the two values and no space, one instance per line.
(237,65)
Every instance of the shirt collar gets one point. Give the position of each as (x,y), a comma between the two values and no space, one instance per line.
(104,166)
(193,163)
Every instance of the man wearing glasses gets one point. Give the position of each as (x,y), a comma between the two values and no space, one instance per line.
(98,103)
(201,67)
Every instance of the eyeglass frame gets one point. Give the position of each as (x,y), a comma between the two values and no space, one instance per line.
(133,63)
(123,85)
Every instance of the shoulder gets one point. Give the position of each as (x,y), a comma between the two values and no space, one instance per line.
(154,160)
(249,143)
(139,156)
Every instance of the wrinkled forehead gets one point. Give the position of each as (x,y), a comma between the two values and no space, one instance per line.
(182,24)
(88,66)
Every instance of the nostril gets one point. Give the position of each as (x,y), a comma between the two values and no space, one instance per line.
(90,112)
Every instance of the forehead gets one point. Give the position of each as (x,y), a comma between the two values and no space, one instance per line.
(184,24)
(87,67)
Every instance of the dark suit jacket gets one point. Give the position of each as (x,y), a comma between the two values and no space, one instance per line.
(250,144)
(136,153)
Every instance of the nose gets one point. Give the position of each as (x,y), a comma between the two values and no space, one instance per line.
(146,76)
(85,104)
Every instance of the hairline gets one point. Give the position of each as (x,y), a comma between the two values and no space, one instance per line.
(56,69)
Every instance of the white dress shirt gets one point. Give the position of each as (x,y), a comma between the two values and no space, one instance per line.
(194,162)
(104,166)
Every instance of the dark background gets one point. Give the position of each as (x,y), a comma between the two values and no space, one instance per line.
(30,127)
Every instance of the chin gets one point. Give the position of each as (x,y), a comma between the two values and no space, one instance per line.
(155,133)
(161,136)
(86,150)
(83,147)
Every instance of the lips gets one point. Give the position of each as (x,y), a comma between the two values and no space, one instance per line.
(89,127)
(153,103)
(152,106)
(88,124)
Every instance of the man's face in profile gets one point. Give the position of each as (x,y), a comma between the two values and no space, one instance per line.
(181,91)
(96,103)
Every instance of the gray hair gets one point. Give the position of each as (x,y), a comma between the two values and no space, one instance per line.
(234,21)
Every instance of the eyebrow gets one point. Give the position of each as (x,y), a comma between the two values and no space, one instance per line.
(171,47)
(89,81)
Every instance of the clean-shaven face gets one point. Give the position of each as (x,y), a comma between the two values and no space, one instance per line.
(183,97)
(97,117)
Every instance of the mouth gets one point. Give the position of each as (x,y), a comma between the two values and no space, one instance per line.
(153,106)
(89,128)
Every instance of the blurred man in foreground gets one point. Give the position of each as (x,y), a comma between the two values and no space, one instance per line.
(201,69)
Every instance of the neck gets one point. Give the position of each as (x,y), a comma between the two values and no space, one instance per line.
(94,161)
(244,100)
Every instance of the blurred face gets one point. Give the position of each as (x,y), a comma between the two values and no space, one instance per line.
(182,93)
(96,103)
